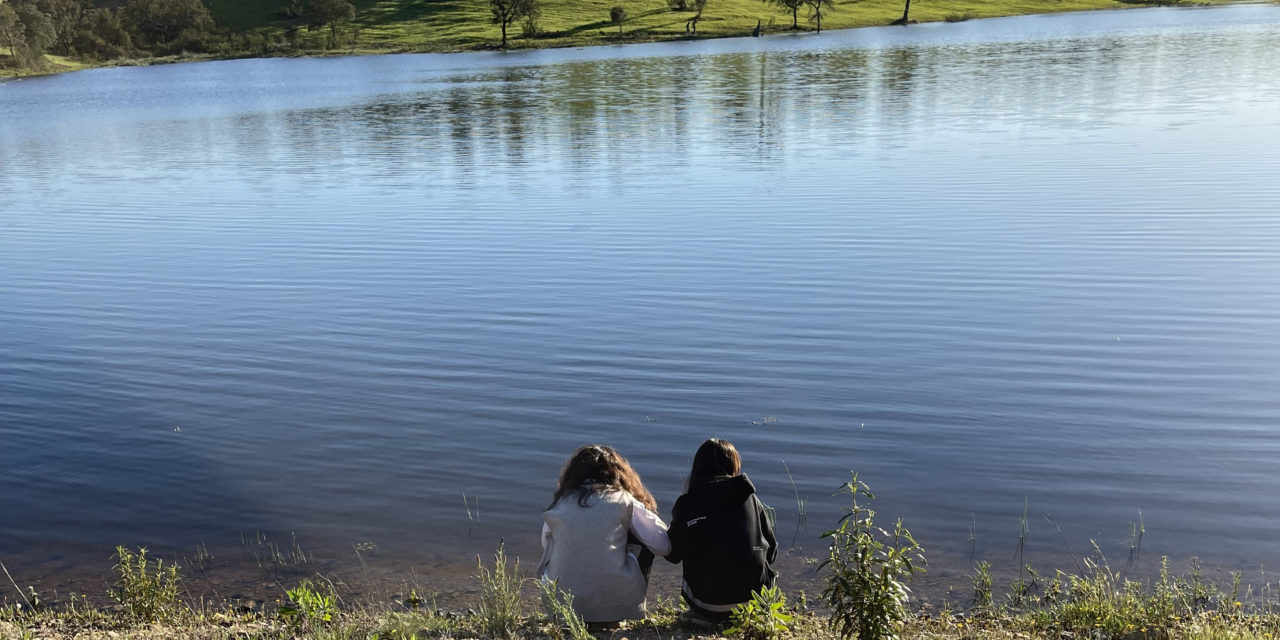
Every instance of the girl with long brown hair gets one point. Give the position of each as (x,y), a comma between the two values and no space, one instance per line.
(601,525)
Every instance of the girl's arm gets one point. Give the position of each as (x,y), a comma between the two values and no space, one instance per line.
(650,529)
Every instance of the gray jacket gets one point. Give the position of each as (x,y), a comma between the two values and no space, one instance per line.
(586,554)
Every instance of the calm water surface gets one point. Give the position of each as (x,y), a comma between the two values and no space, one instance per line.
(1022,261)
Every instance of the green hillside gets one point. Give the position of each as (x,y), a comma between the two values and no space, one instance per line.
(435,25)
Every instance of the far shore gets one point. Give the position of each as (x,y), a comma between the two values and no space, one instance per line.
(835,22)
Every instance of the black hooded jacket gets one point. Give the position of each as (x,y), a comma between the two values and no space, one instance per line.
(720,532)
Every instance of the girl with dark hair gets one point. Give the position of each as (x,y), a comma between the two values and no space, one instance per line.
(599,535)
(720,532)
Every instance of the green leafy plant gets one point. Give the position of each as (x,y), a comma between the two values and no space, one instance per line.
(500,595)
(558,605)
(867,570)
(763,617)
(147,590)
(982,586)
(310,605)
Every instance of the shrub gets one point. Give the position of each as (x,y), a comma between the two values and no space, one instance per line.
(499,595)
(763,617)
(618,15)
(868,568)
(559,608)
(310,606)
(530,27)
(147,591)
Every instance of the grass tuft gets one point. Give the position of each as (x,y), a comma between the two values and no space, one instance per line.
(558,605)
(274,560)
(499,611)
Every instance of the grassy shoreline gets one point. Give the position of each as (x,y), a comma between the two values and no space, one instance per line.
(663,623)
(862,589)
(465,28)
(1094,602)
(859,588)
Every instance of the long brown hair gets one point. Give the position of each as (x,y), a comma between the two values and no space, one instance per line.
(715,458)
(594,468)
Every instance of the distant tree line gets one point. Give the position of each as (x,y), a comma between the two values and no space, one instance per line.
(78,28)
(99,30)
(81,29)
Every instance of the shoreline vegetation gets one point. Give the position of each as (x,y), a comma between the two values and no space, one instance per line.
(863,592)
(41,37)
(150,599)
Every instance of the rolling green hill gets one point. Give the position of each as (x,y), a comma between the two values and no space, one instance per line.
(437,25)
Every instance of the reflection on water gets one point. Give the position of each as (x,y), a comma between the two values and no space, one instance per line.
(984,263)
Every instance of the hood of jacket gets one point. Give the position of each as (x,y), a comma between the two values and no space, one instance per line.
(724,491)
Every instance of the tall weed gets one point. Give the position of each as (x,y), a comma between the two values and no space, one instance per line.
(500,595)
(867,570)
(558,604)
(982,586)
(147,591)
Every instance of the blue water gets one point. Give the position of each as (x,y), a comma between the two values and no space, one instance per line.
(1020,261)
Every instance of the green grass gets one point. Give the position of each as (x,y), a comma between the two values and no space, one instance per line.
(393,26)
(273,559)
(441,25)
(402,621)
(1095,602)
(53,64)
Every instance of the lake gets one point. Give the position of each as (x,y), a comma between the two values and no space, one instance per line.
(358,310)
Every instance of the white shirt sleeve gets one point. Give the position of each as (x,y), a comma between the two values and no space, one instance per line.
(650,529)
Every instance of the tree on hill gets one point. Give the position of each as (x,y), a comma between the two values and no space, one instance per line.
(530,26)
(789,5)
(65,16)
(10,31)
(27,31)
(816,7)
(505,12)
(618,15)
(31,28)
(906,14)
(161,24)
(691,26)
(100,35)
(331,14)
